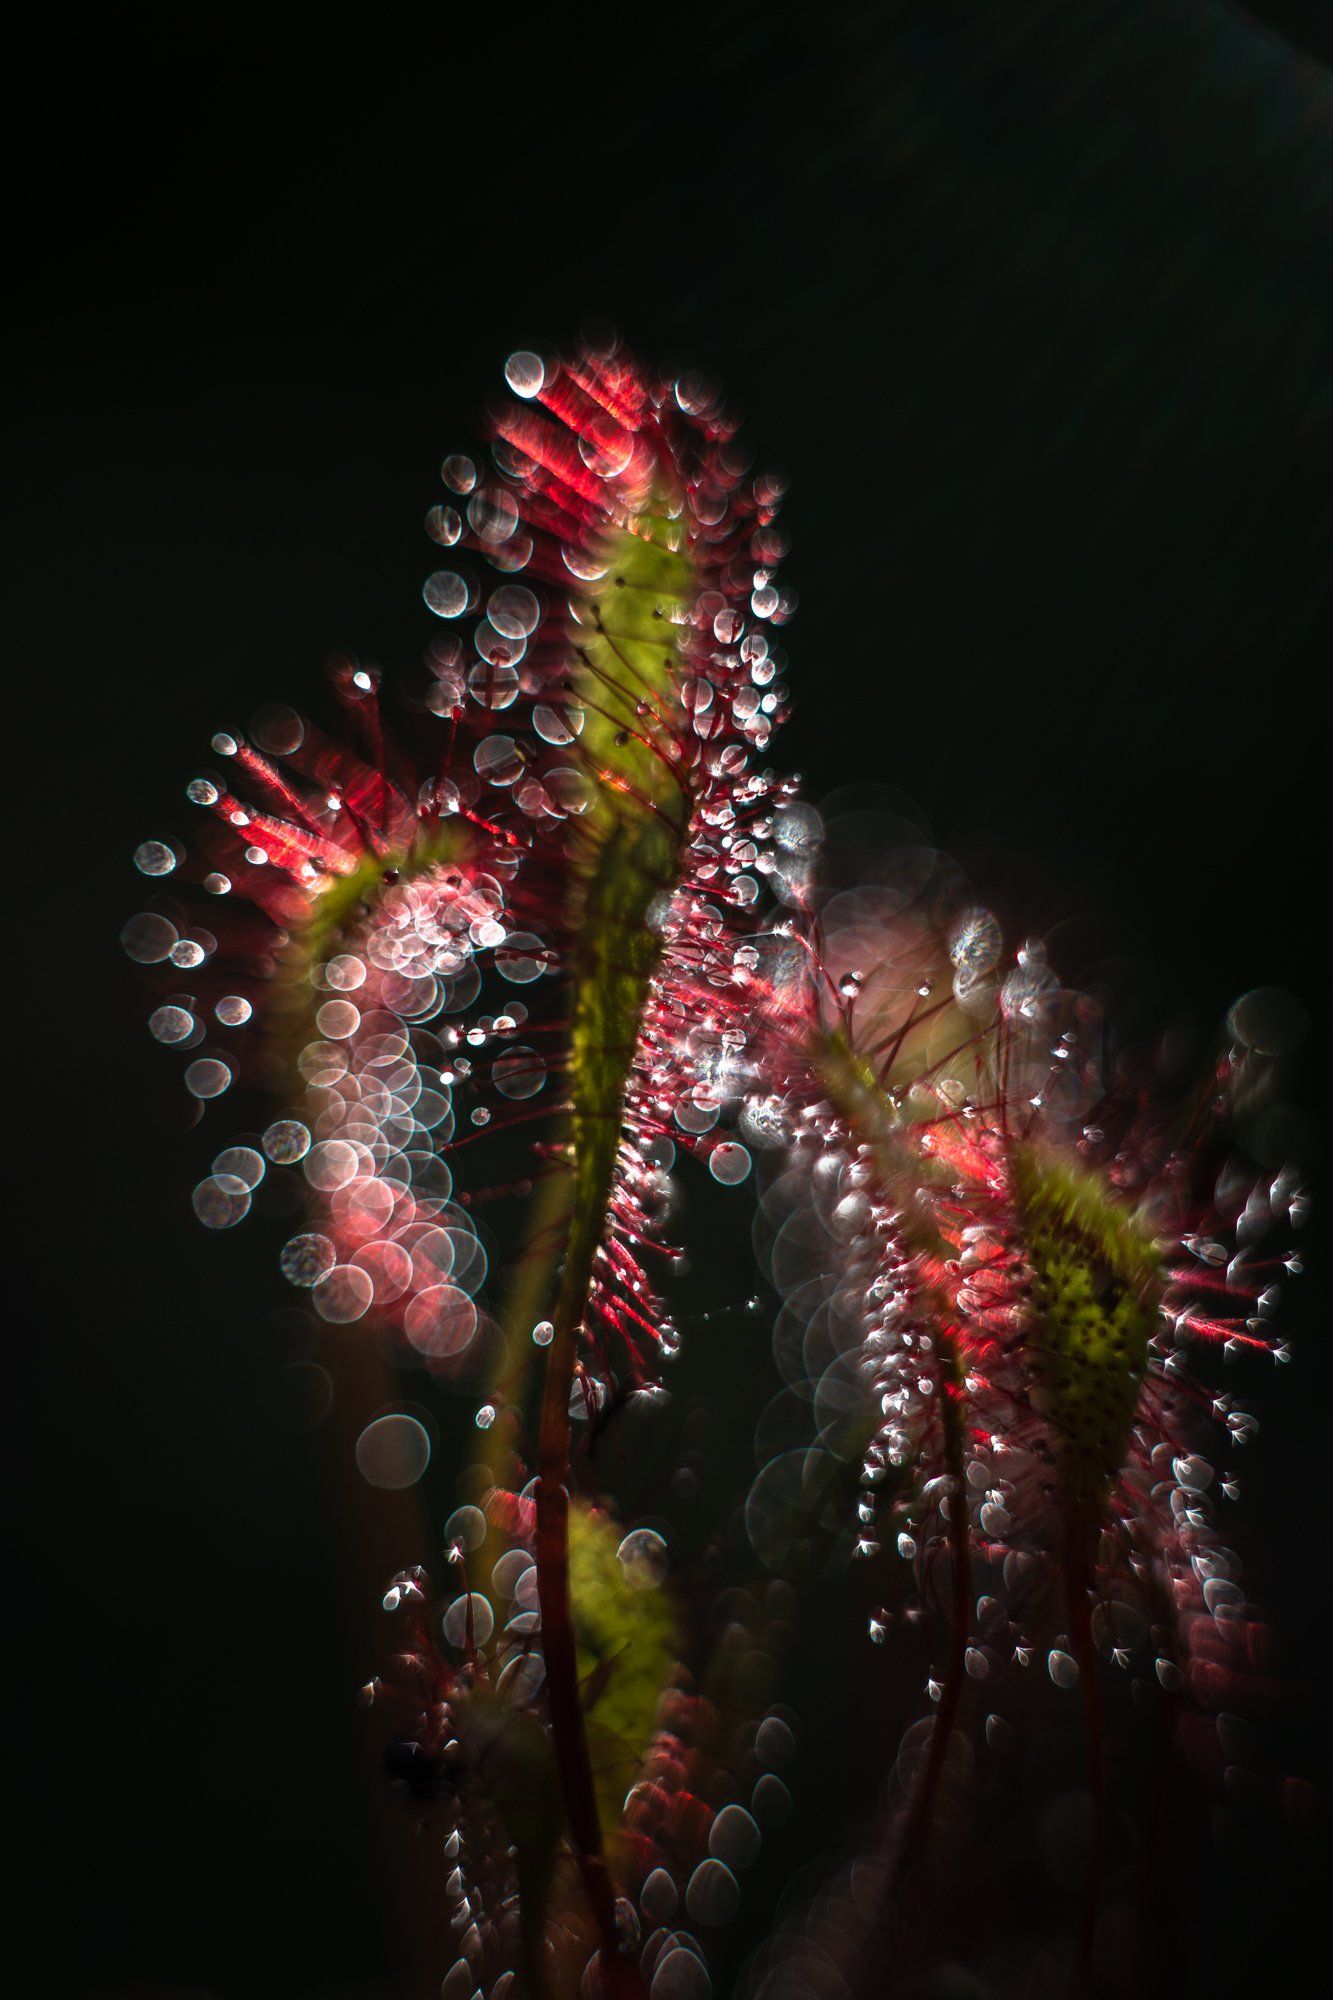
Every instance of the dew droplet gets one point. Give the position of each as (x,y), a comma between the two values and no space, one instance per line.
(454,1624)
(643,1559)
(729,1162)
(207,1077)
(393,1452)
(459,473)
(525,373)
(171,1024)
(445,593)
(154,857)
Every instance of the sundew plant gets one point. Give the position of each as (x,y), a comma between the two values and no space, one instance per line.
(506,958)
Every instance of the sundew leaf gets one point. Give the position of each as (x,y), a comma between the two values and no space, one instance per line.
(630,669)
(1097,1274)
(627,1642)
(658,685)
(342,910)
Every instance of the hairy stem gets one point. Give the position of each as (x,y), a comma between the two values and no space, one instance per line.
(917,1829)
(617,957)
(858,1096)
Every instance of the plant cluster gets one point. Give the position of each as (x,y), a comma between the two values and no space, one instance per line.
(585,930)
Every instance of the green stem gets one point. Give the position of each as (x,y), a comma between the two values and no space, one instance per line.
(618,955)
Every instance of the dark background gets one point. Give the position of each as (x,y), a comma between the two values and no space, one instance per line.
(1034,304)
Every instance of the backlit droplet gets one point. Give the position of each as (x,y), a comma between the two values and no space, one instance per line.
(286,1141)
(729,1162)
(171,1024)
(307,1258)
(713,1894)
(243,1163)
(154,857)
(221,1201)
(393,1451)
(445,593)
(658,1897)
(207,1077)
(444,525)
(680,1973)
(513,611)
(771,1802)
(734,1837)
(343,1294)
(148,939)
(467,1527)
(524,373)
(643,1559)
(459,473)
(455,1621)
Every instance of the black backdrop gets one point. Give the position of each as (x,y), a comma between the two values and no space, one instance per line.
(1034,304)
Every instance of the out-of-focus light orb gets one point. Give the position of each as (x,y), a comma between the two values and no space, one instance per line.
(467,1527)
(171,1024)
(244,1162)
(207,1077)
(680,1973)
(729,1162)
(154,857)
(458,473)
(734,1837)
(343,1294)
(221,1201)
(445,593)
(286,1141)
(658,1897)
(307,1258)
(393,1451)
(644,1560)
(712,1895)
(455,1621)
(149,938)
(525,373)
(774,1742)
(1269,1020)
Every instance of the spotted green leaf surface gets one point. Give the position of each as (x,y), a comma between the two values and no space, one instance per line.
(1097,1282)
(629,676)
(628,1643)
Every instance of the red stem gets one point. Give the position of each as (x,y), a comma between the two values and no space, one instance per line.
(1085,1655)
(620,1974)
(946,1715)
